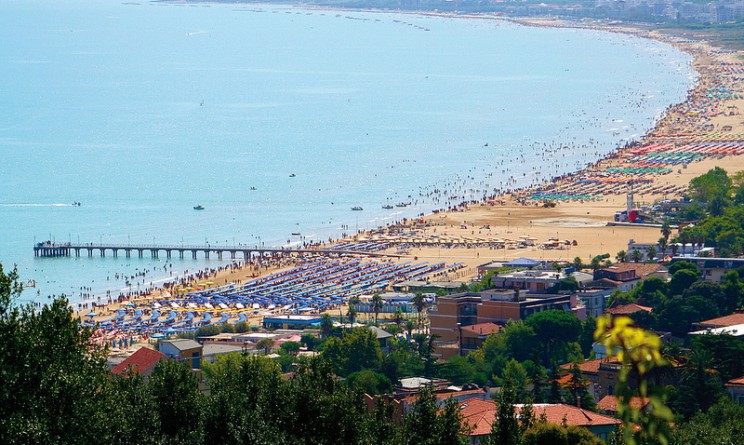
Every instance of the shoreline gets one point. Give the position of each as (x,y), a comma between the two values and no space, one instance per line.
(568,217)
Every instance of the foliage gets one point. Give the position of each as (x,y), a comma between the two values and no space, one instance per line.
(370,382)
(721,424)
(638,352)
(554,329)
(551,434)
(426,424)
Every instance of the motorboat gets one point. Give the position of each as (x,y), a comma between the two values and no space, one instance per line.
(357,208)
(199,207)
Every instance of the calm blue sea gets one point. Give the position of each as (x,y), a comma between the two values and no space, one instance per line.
(141,111)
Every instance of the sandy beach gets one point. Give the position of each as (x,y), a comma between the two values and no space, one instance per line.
(703,132)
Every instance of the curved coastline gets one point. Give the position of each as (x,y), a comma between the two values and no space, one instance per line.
(517,198)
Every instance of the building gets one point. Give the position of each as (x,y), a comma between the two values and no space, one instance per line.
(182,350)
(603,375)
(291,321)
(722,322)
(391,302)
(382,337)
(142,362)
(454,312)
(479,415)
(608,404)
(713,269)
(431,287)
(735,390)
(736,330)
(628,309)
(473,336)
(627,275)
(595,300)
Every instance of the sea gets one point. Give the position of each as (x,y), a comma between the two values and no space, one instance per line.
(278,120)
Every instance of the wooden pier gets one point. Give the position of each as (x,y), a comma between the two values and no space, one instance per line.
(50,250)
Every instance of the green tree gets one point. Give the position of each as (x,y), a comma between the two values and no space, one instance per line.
(551,434)
(505,430)
(370,382)
(651,252)
(377,305)
(419,301)
(326,325)
(621,256)
(427,425)
(245,393)
(266,344)
(636,256)
(53,384)
(178,402)
(714,183)
(554,329)
(291,348)
(700,386)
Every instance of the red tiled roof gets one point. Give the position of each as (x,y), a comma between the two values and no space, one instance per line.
(641,269)
(609,403)
(479,415)
(555,413)
(482,328)
(588,367)
(725,321)
(627,309)
(736,382)
(140,361)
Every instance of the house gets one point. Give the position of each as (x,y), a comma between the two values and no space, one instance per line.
(382,337)
(391,302)
(604,375)
(594,299)
(473,336)
(457,311)
(608,404)
(291,321)
(142,362)
(182,350)
(713,269)
(722,322)
(627,275)
(736,330)
(628,309)
(432,287)
(478,417)
(735,390)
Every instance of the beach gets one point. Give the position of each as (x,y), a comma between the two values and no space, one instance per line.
(569,213)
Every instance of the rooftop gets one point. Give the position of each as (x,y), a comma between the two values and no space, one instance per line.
(587,367)
(736,382)
(182,344)
(482,328)
(627,309)
(609,403)
(725,321)
(140,361)
(479,415)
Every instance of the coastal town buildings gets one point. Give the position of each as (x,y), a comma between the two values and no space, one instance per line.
(455,312)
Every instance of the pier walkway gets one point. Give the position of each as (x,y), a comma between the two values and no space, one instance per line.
(49,249)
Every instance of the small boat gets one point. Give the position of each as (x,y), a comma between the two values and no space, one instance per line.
(76,204)
(357,208)
(387,207)
(403,204)
(295,233)
(199,207)
(292,175)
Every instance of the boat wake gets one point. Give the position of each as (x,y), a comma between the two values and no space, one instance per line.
(39,205)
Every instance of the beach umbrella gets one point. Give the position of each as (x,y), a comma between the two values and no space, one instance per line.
(129,304)
(91,314)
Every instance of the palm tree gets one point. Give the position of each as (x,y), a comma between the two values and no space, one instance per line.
(266,344)
(377,305)
(636,256)
(666,230)
(651,252)
(420,302)
(621,256)
(663,246)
